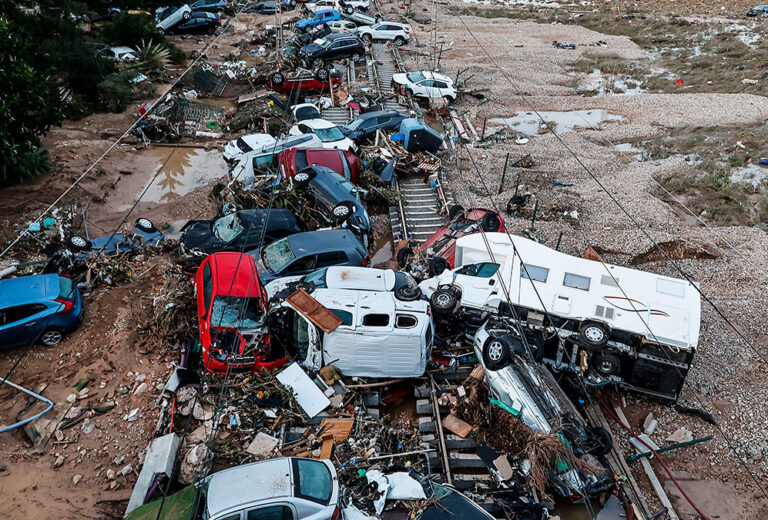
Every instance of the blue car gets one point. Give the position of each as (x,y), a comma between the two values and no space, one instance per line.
(41,308)
(325,16)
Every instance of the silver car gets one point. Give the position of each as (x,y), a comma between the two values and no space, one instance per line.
(285,488)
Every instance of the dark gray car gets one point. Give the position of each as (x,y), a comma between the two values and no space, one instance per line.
(363,128)
(303,253)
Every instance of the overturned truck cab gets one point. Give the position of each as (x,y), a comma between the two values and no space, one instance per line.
(613,324)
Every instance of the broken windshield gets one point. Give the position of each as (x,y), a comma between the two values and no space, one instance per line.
(329,134)
(228,227)
(277,255)
(236,312)
(415,77)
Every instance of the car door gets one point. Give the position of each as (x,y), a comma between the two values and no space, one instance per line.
(425,88)
(21,324)
(303,265)
(335,50)
(478,282)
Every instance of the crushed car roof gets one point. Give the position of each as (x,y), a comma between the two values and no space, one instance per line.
(249,483)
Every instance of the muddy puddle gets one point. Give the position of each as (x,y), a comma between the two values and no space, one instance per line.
(752,174)
(720,500)
(608,85)
(181,171)
(383,251)
(528,123)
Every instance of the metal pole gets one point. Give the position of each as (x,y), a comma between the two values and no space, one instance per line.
(503,174)
(633,458)
(559,238)
(28,419)
(482,134)
(533,218)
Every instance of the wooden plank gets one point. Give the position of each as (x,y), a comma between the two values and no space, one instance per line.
(314,311)
(339,428)
(455,425)
(327,447)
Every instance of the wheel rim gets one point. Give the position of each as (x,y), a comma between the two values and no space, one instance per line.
(145,223)
(594,334)
(605,366)
(399,42)
(443,300)
(78,241)
(301,177)
(341,211)
(494,351)
(408,291)
(51,337)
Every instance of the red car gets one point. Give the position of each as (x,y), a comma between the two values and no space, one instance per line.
(441,247)
(306,81)
(231,310)
(343,162)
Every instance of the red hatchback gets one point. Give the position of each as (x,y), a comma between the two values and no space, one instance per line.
(231,310)
(292,83)
(440,248)
(343,162)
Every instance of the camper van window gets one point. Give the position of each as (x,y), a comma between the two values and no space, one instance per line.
(670,287)
(344,316)
(376,320)
(576,281)
(405,321)
(483,270)
(534,272)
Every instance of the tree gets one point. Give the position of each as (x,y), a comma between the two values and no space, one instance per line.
(29,104)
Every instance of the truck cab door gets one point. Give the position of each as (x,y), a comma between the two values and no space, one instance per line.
(478,282)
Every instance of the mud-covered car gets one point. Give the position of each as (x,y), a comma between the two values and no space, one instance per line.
(439,250)
(529,392)
(238,231)
(78,249)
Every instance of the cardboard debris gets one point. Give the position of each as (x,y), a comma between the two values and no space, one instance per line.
(338,428)
(455,425)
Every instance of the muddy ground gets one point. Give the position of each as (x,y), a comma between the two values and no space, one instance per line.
(728,379)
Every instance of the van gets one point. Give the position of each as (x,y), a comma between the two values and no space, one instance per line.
(377,335)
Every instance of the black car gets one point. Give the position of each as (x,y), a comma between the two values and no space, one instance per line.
(270,7)
(211,6)
(199,22)
(238,231)
(336,200)
(332,47)
(363,128)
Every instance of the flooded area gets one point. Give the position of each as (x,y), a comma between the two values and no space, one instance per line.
(603,85)
(383,251)
(612,510)
(529,123)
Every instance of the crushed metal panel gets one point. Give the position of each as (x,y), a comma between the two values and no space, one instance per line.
(311,399)
(314,311)
(160,459)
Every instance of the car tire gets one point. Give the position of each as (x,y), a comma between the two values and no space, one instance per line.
(357,57)
(437,265)
(404,257)
(322,75)
(444,301)
(455,211)
(496,353)
(606,364)
(277,79)
(449,100)
(302,179)
(408,293)
(367,38)
(601,440)
(342,212)
(51,336)
(318,63)
(292,3)
(593,335)
(349,9)
(399,41)
(186,16)
(491,222)
(78,244)
(145,225)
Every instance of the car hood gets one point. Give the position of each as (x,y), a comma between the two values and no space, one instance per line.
(197,234)
(401,79)
(312,48)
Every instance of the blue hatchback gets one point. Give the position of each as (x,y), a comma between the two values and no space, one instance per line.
(41,307)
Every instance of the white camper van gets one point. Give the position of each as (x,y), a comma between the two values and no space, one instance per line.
(636,328)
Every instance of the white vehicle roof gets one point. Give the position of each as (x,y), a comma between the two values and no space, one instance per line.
(258,141)
(670,307)
(318,123)
(121,50)
(249,483)
(361,278)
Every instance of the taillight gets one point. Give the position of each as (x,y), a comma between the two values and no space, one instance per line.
(365,261)
(67,304)
(336,513)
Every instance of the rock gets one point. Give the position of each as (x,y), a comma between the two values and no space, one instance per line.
(190,466)
(82,394)
(262,445)
(113,485)
(649,424)
(88,427)
(141,389)
(111,475)
(141,377)
(132,415)
(71,398)
(127,470)
(201,414)
(59,461)
(77,478)
(680,435)
(200,434)
(185,394)
(72,413)
(119,459)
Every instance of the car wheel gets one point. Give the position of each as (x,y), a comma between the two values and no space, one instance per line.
(77,244)
(399,41)
(341,212)
(317,62)
(277,79)
(455,211)
(322,75)
(606,364)
(496,353)
(349,9)
(601,441)
(357,57)
(292,3)
(593,335)
(449,100)
(437,265)
(186,16)
(301,180)
(367,38)
(404,257)
(408,293)
(51,337)
(444,301)
(491,222)
(306,286)
(145,225)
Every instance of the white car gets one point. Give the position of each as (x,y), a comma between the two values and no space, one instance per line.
(120,54)
(304,111)
(342,26)
(169,17)
(327,132)
(426,84)
(397,32)
(246,144)
(262,162)
(350,277)
(343,6)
